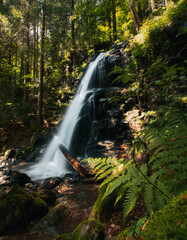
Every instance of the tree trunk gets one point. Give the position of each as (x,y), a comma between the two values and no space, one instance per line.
(72,24)
(82,170)
(34,52)
(153,5)
(109,18)
(134,14)
(10,78)
(22,68)
(37,53)
(73,33)
(40,89)
(140,13)
(27,67)
(114,20)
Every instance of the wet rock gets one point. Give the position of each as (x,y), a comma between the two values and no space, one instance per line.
(18,208)
(18,178)
(10,153)
(53,222)
(37,140)
(31,186)
(50,183)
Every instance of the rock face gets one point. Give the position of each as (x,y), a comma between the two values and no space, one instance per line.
(87,230)
(53,222)
(18,208)
(99,120)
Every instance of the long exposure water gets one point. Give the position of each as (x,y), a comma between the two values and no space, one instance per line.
(53,163)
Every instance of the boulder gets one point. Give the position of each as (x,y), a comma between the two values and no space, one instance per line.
(19,178)
(89,229)
(53,222)
(50,183)
(18,208)
(48,196)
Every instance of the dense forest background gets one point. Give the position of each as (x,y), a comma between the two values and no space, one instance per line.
(46,44)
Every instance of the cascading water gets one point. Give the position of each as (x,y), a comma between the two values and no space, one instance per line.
(53,162)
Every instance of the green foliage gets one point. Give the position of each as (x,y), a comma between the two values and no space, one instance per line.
(136,227)
(166,140)
(126,74)
(168,82)
(149,33)
(163,175)
(170,222)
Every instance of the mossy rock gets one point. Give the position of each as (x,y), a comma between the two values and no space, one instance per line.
(47,196)
(19,208)
(170,222)
(102,206)
(87,230)
(64,236)
(54,221)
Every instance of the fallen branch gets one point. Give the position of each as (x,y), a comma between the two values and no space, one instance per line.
(82,170)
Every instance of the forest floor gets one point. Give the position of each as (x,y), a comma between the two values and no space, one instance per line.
(80,198)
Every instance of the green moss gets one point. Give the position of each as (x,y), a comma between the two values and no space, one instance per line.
(123,234)
(101,205)
(170,222)
(152,31)
(87,230)
(63,237)
(18,208)
(97,208)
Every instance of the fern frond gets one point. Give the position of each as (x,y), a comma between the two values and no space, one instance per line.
(115,184)
(121,192)
(148,197)
(131,198)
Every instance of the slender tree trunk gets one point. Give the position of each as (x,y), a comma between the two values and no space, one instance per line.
(134,14)
(109,19)
(22,68)
(36,62)
(140,14)
(73,33)
(114,20)
(73,23)
(153,5)
(10,78)
(27,67)
(40,89)
(34,52)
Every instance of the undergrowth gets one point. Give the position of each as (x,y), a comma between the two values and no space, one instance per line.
(160,176)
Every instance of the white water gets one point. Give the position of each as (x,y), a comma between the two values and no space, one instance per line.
(53,162)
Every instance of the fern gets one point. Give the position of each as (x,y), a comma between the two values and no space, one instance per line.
(164,174)
(131,197)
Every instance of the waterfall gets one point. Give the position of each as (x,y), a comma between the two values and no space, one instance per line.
(53,162)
